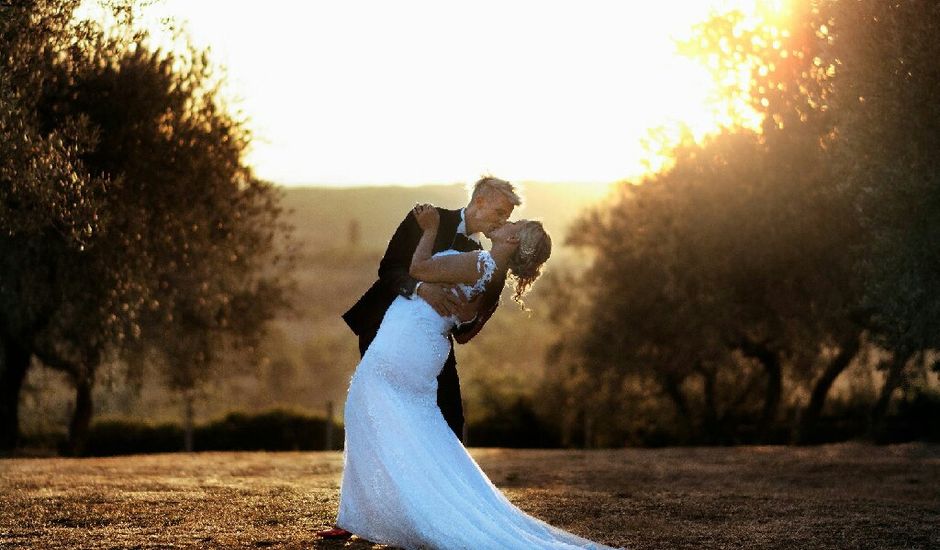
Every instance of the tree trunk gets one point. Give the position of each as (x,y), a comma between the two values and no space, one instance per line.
(81,417)
(806,430)
(14,362)
(895,375)
(771,363)
(712,434)
(588,429)
(671,387)
(188,420)
(328,443)
(772,397)
(567,421)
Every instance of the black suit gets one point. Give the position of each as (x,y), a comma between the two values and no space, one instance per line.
(366,315)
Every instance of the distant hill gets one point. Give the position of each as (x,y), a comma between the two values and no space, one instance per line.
(331,275)
(322,215)
(309,353)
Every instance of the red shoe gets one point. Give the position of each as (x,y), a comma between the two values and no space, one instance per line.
(334,533)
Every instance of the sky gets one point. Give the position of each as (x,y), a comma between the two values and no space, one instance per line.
(410,92)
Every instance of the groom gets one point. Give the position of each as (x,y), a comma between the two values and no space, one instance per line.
(491,202)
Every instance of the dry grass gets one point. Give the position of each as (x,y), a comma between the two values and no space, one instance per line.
(837,496)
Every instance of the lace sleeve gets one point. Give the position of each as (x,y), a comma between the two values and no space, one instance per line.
(487,266)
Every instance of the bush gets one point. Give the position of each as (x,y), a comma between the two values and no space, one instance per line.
(515,425)
(122,437)
(41,443)
(272,430)
(916,418)
(845,420)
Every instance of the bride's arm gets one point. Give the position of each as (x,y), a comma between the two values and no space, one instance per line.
(453,268)
(485,308)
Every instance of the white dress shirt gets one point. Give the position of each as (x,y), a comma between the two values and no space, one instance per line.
(462,229)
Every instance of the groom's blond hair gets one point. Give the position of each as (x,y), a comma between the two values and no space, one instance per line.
(490,184)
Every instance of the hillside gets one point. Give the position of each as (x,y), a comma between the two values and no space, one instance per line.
(332,274)
(322,215)
(310,353)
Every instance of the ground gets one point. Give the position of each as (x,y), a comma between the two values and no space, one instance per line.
(835,496)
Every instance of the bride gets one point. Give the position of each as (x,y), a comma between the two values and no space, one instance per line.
(407,479)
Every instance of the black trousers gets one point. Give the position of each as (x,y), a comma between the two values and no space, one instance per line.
(448,386)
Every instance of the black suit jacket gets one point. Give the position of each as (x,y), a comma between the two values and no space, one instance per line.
(366,315)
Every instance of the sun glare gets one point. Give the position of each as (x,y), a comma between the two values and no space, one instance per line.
(412,92)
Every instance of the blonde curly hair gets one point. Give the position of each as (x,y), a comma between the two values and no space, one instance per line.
(525,266)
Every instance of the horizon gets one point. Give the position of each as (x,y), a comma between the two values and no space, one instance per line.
(465,184)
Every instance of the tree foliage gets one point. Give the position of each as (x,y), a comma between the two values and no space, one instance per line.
(745,278)
(885,89)
(144,232)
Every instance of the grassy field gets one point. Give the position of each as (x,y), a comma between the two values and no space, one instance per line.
(835,496)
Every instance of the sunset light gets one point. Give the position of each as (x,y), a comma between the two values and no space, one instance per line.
(490,274)
(416,92)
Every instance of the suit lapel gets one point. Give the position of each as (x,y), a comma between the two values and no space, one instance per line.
(447,236)
(464,243)
(446,231)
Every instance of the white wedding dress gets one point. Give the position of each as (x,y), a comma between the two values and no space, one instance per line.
(407,479)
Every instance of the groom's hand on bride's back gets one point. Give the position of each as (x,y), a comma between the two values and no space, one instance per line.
(467,310)
(442,297)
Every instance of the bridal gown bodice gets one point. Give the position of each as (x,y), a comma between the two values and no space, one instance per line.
(407,479)
(412,343)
